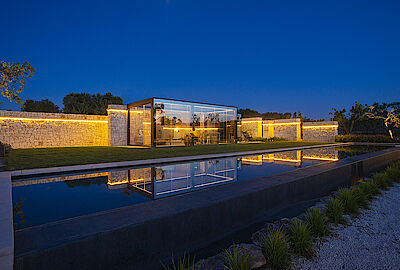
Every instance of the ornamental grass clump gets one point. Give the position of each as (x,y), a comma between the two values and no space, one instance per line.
(276,249)
(237,259)
(393,172)
(349,200)
(335,210)
(300,239)
(361,197)
(383,180)
(317,222)
(182,263)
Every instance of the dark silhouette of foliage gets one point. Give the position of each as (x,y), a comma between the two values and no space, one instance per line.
(85,103)
(13,77)
(44,105)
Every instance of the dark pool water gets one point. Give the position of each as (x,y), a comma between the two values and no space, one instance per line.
(46,199)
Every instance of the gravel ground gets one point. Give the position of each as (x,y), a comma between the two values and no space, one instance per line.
(371,241)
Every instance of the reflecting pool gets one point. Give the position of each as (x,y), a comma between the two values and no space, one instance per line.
(41,200)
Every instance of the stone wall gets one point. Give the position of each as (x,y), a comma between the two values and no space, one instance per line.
(289,129)
(320,131)
(252,126)
(117,125)
(32,129)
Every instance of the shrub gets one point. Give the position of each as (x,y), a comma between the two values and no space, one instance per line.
(7,148)
(237,259)
(334,211)
(393,172)
(300,239)
(183,263)
(349,201)
(382,180)
(361,197)
(371,188)
(276,249)
(317,223)
(271,139)
(366,138)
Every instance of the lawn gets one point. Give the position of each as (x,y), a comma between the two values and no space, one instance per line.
(18,159)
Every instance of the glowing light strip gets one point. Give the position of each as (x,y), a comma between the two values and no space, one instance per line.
(283,159)
(251,160)
(321,158)
(326,126)
(51,119)
(282,124)
(124,182)
(116,110)
(251,121)
(136,111)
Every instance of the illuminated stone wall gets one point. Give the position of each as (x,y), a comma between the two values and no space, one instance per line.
(252,126)
(320,131)
(32,129)
(289,129)
(117,125)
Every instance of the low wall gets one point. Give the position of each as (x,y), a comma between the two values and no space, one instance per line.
(320,131)
(252,126)
(141,235)
(289,129)
(33,129)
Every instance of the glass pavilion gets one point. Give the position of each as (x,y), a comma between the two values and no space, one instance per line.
(167,122)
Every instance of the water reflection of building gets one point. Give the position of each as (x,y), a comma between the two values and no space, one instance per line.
(157,182)
(293,158)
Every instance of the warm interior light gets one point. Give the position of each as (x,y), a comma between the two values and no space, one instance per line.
(51,119)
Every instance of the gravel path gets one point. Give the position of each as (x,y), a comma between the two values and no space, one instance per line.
(371,241)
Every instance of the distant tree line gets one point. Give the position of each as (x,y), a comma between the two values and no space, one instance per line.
(246,113)
(78,103)
(375,119)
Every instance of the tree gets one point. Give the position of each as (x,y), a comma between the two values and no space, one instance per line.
(44,105)
(390,113)
(248,113)
(347,121)
(13,77)
(84,103)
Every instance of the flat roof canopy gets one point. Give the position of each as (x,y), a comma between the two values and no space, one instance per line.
(149,100)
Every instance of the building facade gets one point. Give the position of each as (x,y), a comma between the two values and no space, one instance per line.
(153,122)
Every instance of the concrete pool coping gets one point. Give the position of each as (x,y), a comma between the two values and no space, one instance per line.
(158,227)
(6,223)
(110,165)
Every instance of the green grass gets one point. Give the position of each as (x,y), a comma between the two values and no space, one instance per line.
(19,159)
(237,259)
(276,249)
(317,222)
(300,239)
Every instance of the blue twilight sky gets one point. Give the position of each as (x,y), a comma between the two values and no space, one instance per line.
(266,55)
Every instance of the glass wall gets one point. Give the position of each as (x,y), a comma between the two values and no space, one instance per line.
(187,123)
(140,125)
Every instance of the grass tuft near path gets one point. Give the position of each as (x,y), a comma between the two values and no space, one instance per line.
(31,158)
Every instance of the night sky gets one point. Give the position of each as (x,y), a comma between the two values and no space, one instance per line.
(265,55)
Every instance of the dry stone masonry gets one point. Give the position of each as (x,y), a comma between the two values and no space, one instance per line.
(32,129)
